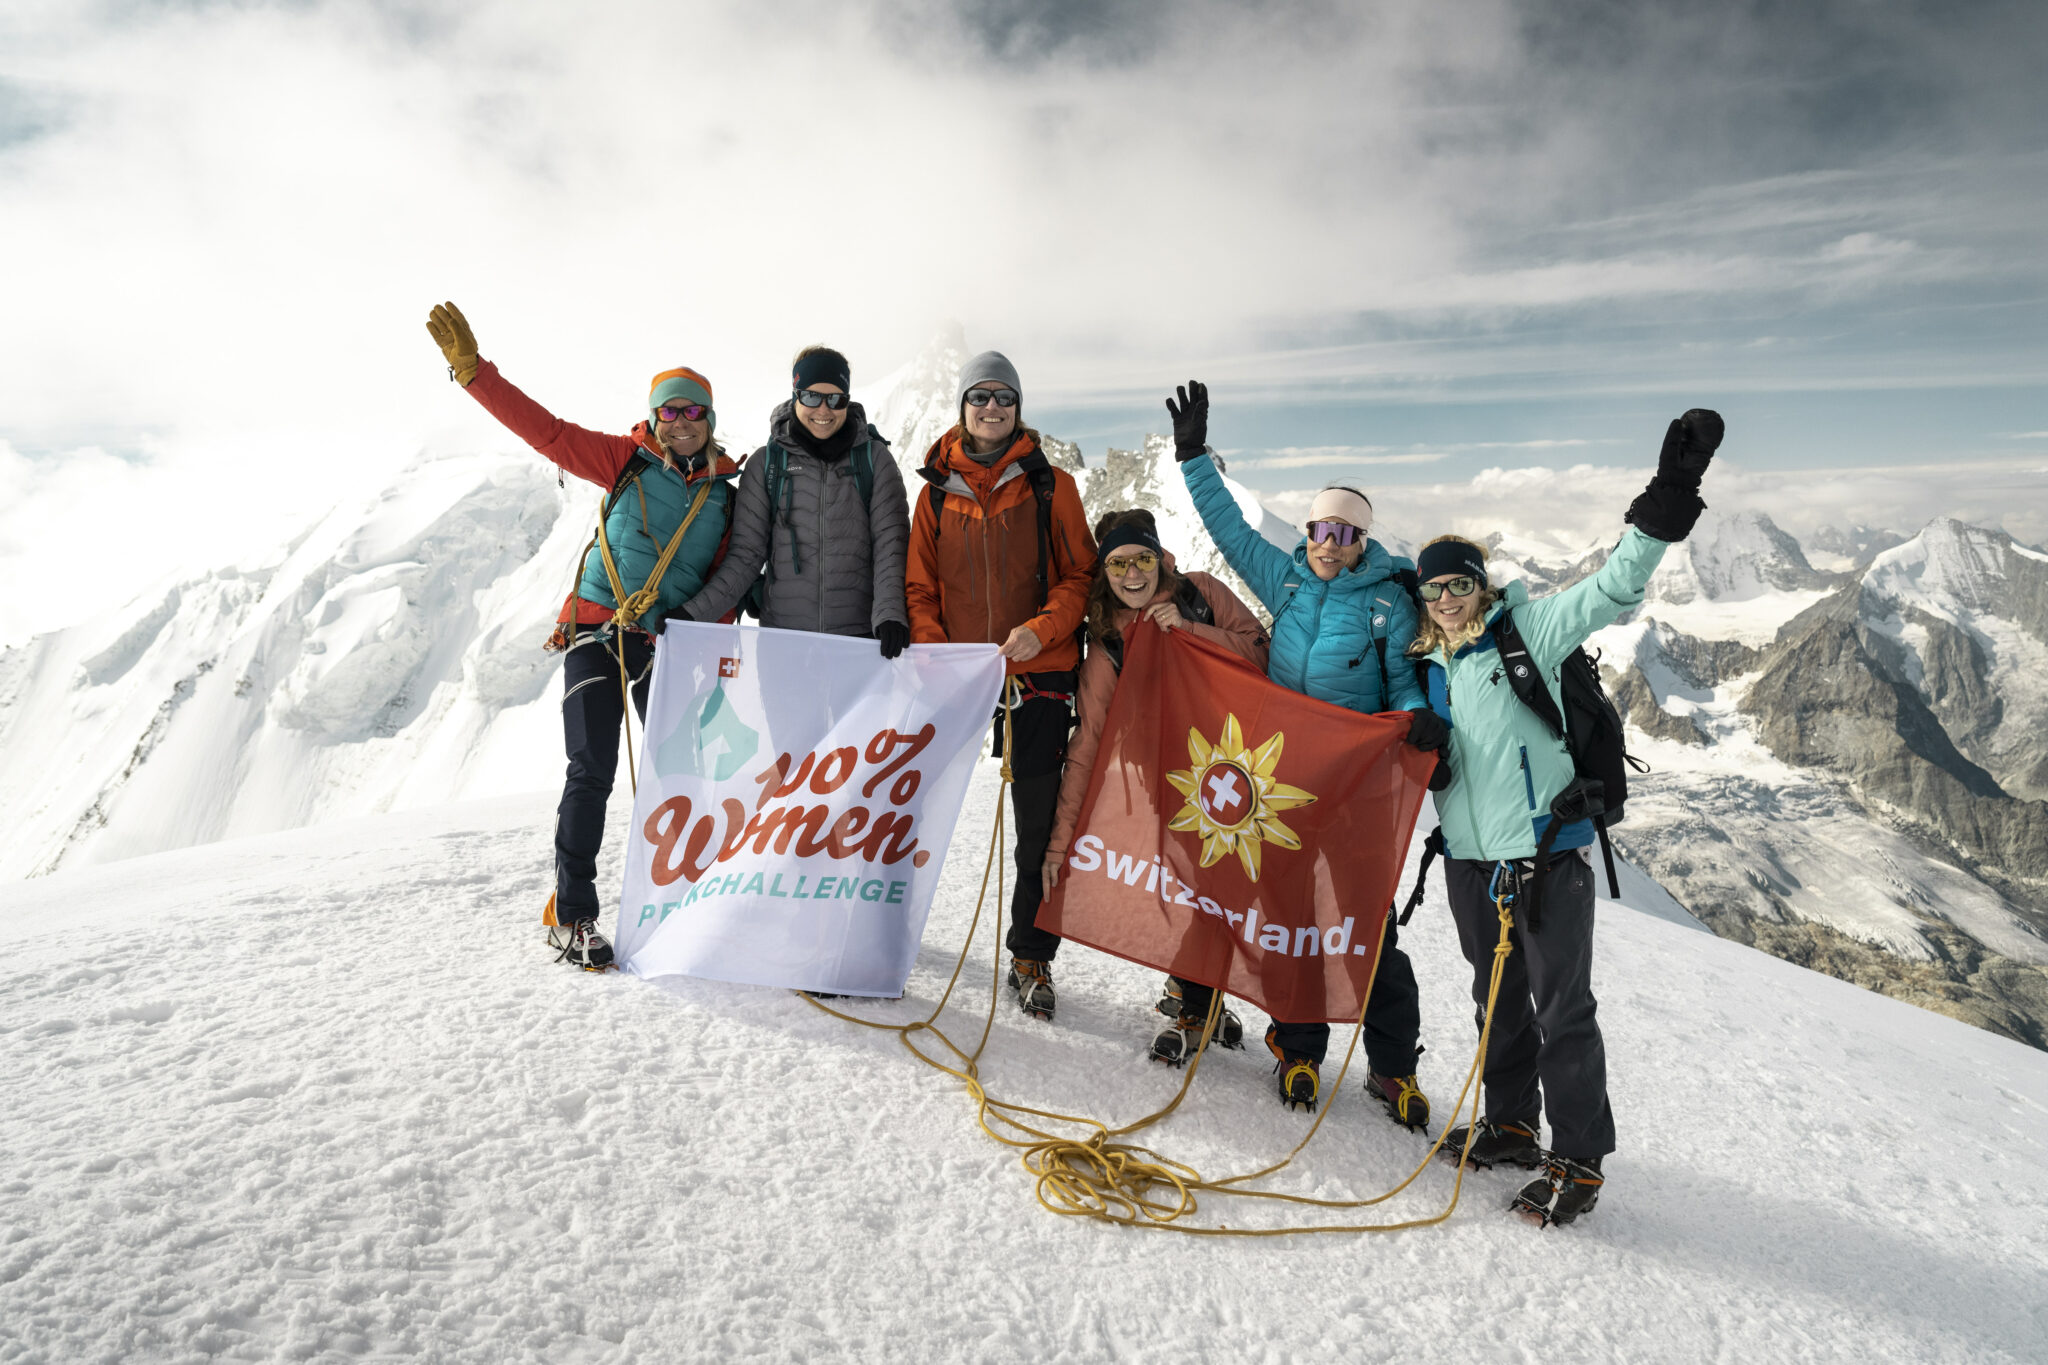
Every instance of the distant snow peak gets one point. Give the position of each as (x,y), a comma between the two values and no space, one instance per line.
(1733,556)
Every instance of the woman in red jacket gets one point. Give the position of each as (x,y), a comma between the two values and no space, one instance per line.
(1136,577)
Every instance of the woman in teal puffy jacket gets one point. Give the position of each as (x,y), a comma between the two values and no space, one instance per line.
(1342,623)
(663,527)
(1512,780)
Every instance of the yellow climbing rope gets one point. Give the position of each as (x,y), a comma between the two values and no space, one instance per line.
(631,606)
(1123,1183)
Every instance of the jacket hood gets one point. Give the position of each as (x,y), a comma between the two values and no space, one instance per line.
(1374,567)
(782,426)
(949,453)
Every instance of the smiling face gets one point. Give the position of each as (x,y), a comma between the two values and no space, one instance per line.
(989,426)
(1454,613)
(682,438)
(1327,559)
(1132,585)
(821,421)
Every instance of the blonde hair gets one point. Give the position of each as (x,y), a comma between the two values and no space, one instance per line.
(1431,637)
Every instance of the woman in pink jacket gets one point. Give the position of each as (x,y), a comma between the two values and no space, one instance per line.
(1135,576)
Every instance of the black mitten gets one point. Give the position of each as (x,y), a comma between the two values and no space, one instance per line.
(1689,445)
(1669,507)
(893,636)
(1190,421)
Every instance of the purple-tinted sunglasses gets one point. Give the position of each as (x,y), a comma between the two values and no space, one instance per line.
(1343,532)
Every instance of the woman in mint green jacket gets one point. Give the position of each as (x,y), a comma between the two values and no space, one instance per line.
(1509,773)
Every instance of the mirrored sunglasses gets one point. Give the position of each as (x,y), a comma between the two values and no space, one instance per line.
(1343,532)
(1457,587)
(689,412)
(1144,561)
(979,398)
(811,398)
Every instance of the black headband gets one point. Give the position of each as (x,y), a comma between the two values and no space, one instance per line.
(1119,536)
(823,366)
(1449,556)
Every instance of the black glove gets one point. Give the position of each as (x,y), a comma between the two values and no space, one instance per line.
(1190,421)
(893,636)
(1689,444)
(1669,507)
(1428,731)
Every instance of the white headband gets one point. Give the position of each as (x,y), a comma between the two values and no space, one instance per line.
(1344,505)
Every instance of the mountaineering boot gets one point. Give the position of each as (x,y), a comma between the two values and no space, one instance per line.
(1300,1081)
(1033,983)
(1229,1029)
(1177,1042)
(1566,1189)
(580,945)
(1495,1142)
(1405,1102)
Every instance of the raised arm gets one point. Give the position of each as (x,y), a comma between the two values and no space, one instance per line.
(1663,514)
(1263,565)
(587,454)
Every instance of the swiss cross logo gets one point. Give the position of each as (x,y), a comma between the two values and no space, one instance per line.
(728,668)
(1226,793)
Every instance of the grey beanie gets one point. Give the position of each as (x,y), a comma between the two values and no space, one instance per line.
(984,367)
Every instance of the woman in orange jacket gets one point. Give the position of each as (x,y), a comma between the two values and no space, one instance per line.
(1137,577)
(1000,553)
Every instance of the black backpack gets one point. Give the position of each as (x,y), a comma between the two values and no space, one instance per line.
(1590,727)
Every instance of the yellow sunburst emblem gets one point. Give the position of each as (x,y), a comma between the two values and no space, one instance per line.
(1232,796)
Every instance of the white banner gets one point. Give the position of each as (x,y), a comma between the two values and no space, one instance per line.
(797,794)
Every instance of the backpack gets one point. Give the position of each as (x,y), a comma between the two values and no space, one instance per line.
(1590,727)
(782,504)
(1193,606)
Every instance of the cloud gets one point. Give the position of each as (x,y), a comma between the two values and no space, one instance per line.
(238,214)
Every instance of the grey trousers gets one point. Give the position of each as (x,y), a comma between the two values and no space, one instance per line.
(1546,1042)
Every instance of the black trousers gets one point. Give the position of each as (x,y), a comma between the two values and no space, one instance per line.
(1038,747)
(1393,1016)
(1545,1055)
(592,712)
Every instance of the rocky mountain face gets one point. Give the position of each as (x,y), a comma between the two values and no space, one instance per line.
(1849,765)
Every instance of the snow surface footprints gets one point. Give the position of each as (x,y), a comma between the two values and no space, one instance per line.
(322,1094)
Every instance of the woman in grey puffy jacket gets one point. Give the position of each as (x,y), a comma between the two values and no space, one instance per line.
(822,508)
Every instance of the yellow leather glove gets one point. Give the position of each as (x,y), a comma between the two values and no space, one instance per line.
(450,331)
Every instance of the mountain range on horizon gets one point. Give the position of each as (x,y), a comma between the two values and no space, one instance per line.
(1847,735)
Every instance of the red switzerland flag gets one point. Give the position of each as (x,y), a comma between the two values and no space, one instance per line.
(1240,834)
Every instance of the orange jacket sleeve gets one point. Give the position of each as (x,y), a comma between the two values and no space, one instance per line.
(921,569)
(1073,554)
(587,454)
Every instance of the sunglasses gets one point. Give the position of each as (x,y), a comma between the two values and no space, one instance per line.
(689,412)
(1343,532)
(811,398)
(980,398)
(1457,587)
(1144,561)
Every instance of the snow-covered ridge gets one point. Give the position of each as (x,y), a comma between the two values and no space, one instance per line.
(388,659)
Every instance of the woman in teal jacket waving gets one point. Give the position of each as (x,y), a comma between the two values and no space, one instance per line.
(1514,829)
(1342,623)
